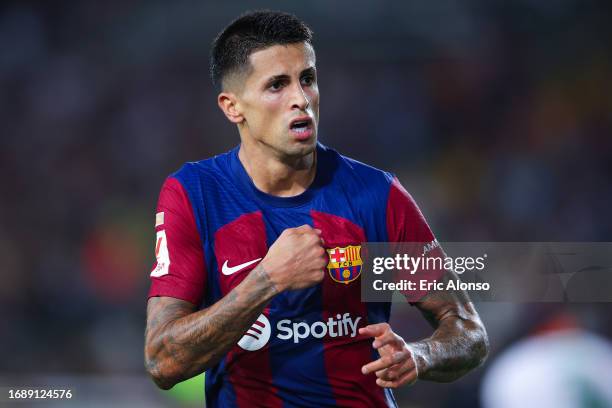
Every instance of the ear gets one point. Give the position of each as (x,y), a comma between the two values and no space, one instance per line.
(228,103)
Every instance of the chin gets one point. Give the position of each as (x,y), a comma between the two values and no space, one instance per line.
(295,154)
(303,148)
(291,147)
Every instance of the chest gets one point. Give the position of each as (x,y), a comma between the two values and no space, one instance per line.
(237,247)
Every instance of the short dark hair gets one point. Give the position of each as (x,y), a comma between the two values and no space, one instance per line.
(251,32)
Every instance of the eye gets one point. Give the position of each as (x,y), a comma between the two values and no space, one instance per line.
(308,80)
(276,85)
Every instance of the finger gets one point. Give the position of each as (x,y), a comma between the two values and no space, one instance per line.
(387,374)
(384,362)
(314,238)
(320,234)
(303,228)
(374,330)
(388,338)
(397,371)
(408,378)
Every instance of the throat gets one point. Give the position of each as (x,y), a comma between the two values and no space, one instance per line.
(281,178)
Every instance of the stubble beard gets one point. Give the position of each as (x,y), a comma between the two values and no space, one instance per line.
(296,154)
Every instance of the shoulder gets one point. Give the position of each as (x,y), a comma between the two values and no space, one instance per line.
(204,177)
(202,183)
(206,169)
(355,174)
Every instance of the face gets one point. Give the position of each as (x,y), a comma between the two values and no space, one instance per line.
(278,104)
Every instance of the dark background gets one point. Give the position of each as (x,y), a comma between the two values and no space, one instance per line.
(496,116)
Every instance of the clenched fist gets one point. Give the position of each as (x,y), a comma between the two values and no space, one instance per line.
(297,259)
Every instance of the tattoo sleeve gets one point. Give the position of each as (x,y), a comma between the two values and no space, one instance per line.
(181,343)
(459,342)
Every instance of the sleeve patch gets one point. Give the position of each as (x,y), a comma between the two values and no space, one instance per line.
(161,254)
(159,219)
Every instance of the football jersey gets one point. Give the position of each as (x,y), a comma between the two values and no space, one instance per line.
(213,227)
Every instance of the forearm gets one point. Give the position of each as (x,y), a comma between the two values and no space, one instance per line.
(458,345)
(181,344)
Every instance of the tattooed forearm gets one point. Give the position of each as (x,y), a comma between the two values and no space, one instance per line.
(458,344)
(181,343)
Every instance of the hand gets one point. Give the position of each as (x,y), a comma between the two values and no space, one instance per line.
(396,365)
(297,259)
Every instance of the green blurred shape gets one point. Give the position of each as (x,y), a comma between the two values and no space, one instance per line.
(188,392)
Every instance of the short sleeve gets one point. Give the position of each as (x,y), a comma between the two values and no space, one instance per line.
(406,224)
(179,270)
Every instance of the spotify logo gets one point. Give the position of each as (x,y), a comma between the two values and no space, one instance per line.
(343,325)
(257,336)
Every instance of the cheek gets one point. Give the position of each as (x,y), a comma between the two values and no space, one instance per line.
(263,113)
(313,95)
(271,101)
(270,107)
(314,102)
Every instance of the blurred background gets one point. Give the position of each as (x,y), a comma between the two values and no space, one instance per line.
(496,116)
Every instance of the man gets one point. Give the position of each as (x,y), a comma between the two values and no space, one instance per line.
(241,287)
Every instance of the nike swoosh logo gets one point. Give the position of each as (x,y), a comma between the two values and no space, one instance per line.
(228,270)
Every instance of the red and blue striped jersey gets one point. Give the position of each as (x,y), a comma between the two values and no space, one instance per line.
(213,226)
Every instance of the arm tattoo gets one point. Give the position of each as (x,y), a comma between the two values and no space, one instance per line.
(181,342)
(459,342)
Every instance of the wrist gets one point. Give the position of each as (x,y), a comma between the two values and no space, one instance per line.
(420,356)
(266,272)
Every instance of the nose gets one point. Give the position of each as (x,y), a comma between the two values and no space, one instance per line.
(300,98)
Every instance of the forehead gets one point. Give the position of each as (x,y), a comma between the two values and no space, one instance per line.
(281,60)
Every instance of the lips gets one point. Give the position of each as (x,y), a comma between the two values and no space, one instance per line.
(301,128)
(301,122)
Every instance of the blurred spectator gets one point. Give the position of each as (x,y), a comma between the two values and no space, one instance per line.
(561,366)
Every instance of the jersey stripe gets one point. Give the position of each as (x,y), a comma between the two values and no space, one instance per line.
(304,382)
(249,372)
(343,364)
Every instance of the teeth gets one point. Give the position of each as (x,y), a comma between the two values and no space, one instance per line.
(300,127)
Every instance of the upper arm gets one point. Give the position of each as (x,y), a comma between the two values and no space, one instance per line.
(407,225)
(405,221)
(179,270)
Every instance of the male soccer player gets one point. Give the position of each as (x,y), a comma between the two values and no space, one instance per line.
(241,288)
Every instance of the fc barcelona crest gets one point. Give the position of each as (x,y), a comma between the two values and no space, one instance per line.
(344,263)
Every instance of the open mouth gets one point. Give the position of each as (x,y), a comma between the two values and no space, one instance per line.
(301,125)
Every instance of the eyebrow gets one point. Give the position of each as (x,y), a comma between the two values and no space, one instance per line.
(309,70)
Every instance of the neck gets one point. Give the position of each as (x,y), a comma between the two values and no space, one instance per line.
(275,174)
